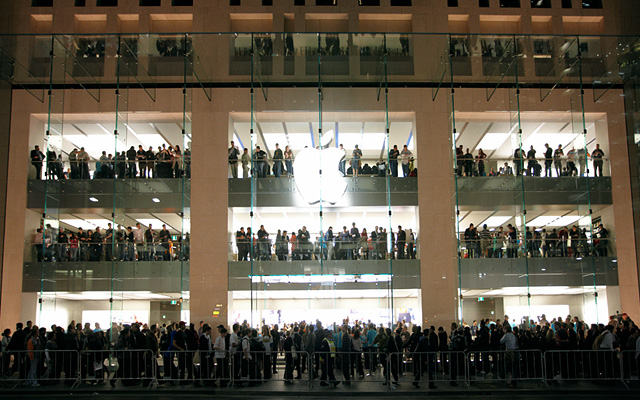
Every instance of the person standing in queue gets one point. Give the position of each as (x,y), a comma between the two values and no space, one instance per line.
(327,359)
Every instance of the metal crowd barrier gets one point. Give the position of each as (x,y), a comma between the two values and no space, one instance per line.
(630,365)
(505,365)
(190,367)
(436,367)
(350,368)
(591,365)
(256,367)
(131,367)
(40,367)
(139,366)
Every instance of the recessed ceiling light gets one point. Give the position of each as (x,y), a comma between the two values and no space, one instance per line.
(155,200)
(93,199)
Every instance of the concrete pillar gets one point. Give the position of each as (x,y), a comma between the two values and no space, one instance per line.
(438,272)
(209,282)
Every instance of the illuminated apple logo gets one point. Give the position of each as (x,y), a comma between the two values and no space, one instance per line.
(307,166)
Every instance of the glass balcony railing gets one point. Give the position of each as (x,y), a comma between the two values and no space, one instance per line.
(95,249)
(69,276)
(500,246)
(479,273)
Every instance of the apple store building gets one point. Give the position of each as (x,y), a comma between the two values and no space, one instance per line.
(300,174)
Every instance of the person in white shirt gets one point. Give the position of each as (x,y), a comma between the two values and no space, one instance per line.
(406,155)
(343,161)
(138,238)
(511,345)
(222,370)
(267,341)
(248,366)
(607,338)
(233,351)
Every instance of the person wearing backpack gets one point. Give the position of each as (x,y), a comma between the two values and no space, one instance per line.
(247,359)
(380,342)
(456,345)
(257,354)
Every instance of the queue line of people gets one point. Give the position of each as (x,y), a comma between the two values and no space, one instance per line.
(180,353)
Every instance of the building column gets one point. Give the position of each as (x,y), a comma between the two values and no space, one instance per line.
(18,166)
(208,281)
(438,266)
(619,164)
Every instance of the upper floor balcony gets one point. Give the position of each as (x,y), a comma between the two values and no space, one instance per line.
(175,193)
(288,57)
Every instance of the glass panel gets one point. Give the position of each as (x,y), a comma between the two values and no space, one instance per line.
(489,149)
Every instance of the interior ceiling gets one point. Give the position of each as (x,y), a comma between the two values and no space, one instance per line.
(116,295)
(533,290)
(300,129)
(274,218)
(496,133)
(175,224)
(547,218)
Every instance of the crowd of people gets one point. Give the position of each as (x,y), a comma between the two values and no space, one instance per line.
(178,353)
(509,243)
(166,162)
(349,244)
(111,244)
(261,165)
(573,163)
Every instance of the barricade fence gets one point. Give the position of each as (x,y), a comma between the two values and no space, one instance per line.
(129,366)
(592,365)
(630,360)
(504,365)
(224,369)
(254,367)
(349,367)
(40,367)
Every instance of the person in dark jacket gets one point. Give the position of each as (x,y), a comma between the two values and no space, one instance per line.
(151,344)
(443,349)
(297,345)
(275,347)
(17,345)
(431,357)
(327,355)
(346,350)
(419,357)
(393,356)
(412,345)
(206,356)
(123,348)
(288,357)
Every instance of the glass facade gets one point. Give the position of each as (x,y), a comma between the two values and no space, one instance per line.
(525,143)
